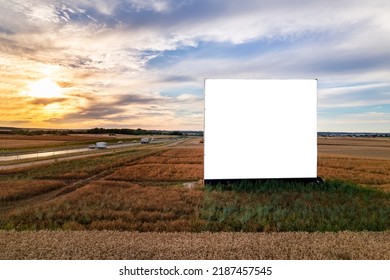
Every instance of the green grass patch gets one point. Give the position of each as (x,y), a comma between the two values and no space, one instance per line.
(281,206)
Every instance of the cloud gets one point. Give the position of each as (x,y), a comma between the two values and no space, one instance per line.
(47,101)
(137,99)
(133,54)
(177,78)
(154,5)
(355,95)
(362,122)
(97,111)
(187,97)
(122,47)
(105,8)
(153,111)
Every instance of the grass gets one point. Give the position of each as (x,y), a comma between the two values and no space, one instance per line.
(106,205)
(147,189)
(172,165)
(176,156)
(276,206)
(159,172)
(270,206)
(369,172)
(119,204)
(80,168)
(134,218)
(11,190)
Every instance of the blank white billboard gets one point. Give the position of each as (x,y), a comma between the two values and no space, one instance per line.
(260,129)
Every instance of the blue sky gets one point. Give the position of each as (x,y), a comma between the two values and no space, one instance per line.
(141,63)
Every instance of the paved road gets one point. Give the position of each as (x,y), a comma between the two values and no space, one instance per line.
(68,151)
(43,154)
(65,154)
(48,161)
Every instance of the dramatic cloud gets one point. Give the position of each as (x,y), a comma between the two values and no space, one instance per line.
(125,63)
(47,101)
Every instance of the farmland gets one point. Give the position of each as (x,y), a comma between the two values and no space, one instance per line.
(117,245)
(372,148)
(158,189)
(14,144)
(363,161)
(9,143)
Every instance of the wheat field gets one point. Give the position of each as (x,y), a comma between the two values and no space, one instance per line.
(363,161)
(116,245)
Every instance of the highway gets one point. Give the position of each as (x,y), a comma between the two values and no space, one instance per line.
(65,154)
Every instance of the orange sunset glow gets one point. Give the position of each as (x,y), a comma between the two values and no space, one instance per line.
(131,63)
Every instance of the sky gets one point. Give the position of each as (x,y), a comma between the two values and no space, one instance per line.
(142,63)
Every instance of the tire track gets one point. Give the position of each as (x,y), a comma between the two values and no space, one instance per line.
(71,187)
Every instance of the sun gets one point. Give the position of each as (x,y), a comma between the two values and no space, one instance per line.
(44,88)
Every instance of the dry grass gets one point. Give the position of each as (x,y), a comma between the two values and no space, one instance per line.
(15,142)
(7,144)
(364,161)
(159,172)
(122,204)
(82,167)
(13,190)
(48,137)
(117,206)
(364,171)
(177,155)
(184,153)
(168,160)
(194,246)
(144,191)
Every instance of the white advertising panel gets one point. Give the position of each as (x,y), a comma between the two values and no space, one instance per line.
(260,129)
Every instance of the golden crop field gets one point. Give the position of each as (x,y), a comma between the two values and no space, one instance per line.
(365,148)
(118,245)
(11,190)
(49,137)
(7,144)
(363,161)
(14,142)
(157,189)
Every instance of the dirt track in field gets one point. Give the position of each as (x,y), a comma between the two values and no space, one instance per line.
(72,186)
(35,200)
(191,246)
(152,245)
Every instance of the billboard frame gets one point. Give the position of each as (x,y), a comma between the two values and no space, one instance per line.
(306,93)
